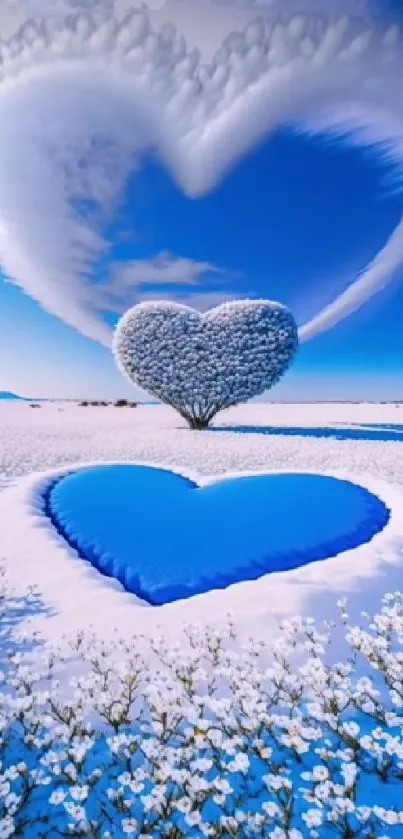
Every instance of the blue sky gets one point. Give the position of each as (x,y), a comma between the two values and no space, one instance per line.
(294,221)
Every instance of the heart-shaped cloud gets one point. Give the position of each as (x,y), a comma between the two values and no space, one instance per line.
(200,364)
(82,98)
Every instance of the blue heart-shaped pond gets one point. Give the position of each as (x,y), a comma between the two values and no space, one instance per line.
(165,538)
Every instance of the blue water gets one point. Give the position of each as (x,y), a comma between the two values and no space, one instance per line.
(165,538)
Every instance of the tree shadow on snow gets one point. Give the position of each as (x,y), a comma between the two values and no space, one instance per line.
(16,611)
(382,434)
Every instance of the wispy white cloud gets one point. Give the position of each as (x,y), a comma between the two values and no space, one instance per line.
(82,99)
(163,269)
(130,282)
(354,126)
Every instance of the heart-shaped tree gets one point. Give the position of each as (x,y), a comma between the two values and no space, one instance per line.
(200,364)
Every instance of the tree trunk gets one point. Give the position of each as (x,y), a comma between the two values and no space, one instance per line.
(197,423)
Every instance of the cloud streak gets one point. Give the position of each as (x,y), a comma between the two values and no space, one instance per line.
(131,282)
(163,269)
(82,100)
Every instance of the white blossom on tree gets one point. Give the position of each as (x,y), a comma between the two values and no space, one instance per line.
(200,364)
(206,738)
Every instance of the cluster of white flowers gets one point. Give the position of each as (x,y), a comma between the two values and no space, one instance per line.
(202,364)
(207,738)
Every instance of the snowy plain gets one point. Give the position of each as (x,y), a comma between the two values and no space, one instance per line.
(36,444)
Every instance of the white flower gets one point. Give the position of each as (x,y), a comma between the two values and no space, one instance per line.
(57,797)
(313,818)
(79,793)
(129,826)
(239,764)
(193,819)
(320,773)
(271,809)
(75,811)
(223,786)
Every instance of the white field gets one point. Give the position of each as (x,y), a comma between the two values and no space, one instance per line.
(52,438)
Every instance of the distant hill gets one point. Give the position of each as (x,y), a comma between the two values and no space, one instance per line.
(6,394)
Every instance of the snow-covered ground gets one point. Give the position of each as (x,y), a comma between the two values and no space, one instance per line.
(55,436)
(58,434)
